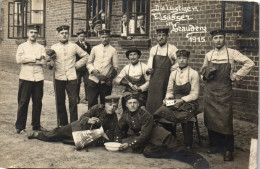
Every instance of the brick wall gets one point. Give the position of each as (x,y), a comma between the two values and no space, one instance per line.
(189,30)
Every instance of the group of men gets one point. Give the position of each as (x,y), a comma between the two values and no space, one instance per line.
(148,123)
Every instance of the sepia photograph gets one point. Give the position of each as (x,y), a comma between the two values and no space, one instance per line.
(129,84)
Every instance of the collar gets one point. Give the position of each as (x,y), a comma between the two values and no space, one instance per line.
(64,43)
(137,64)
(163,46)
(133,113)
(31,43)
(104,45)
(221,49)
(184,69)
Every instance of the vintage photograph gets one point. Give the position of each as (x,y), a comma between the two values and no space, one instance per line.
(129,84)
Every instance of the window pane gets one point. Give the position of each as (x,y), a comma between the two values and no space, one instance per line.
(37,17)
(37,4)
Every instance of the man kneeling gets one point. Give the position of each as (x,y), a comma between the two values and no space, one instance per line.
(92,119)
(142,135)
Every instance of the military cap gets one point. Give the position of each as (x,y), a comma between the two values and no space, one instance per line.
(62,27)
(184,53)
(112,98)
(163,30)
(132,49)
(131,95)
(104,32)
(33,27)
(218,32)
(80,31)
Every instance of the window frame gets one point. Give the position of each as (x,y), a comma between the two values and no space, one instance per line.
(24,18)
(146,14)
(104,5)
(247,18)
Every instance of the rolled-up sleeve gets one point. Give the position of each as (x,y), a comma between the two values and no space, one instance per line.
(248,64)
(121,75)
(22,57)
(169,92)
(90,61)
(145,86)
(194,92)
(84,57)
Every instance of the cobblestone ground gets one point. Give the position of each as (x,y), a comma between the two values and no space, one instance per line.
(18,151)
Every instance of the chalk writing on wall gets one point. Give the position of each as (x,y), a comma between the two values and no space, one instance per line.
(175,17)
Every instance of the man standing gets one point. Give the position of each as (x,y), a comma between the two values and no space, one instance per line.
(95,117)
(133,76)
(102,59)
(65,74)
(144,136)
(82,72)
(31,56)
(162,57)
(218,71)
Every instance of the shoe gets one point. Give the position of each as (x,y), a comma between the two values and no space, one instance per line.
(20,131)
(228,156)
(33,135)
(201,163)
(39,128)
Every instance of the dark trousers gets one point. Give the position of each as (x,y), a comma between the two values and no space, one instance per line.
(172,149)
(28,89)
(223,142)
(187,129)
(57,134)
(95,90)
(84,75)
(71,88)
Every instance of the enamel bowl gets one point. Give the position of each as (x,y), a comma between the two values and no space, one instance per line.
(112,146)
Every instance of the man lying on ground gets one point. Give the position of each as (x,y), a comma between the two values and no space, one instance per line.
(92,119)
(145,136)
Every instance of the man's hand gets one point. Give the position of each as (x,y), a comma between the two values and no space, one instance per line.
(149,71)
(95,72)
(124,146)
(40,62)
(178,103)
(235,77)
(136,88)
(93,120)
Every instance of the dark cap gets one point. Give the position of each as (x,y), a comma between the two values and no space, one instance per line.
(218,32)
(33,27)
(163,30)
(132,49)
(112,98)
(184,53)
(62,27)
(80,31)
(104,32)
(129,95)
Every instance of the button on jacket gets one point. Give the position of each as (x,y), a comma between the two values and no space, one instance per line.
(28,52)
(102,58)
(66,60)
(139,125)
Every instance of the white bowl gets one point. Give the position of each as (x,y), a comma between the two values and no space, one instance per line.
(112,146)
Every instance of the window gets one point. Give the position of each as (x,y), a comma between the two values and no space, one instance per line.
(90,15)
(249,19)
(135,20)
(19,16)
